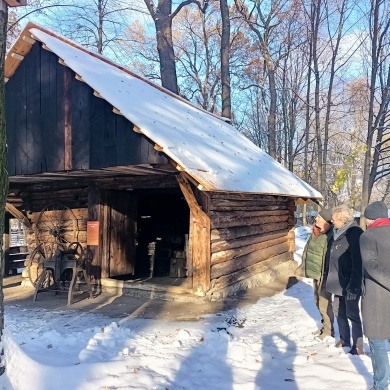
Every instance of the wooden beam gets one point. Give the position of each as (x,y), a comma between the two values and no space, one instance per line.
(137,129)
(244,218)
(16,3)
(28,39)
(267,224)
(158,148)
(138,182)
(116,111)
(97,94)
(17,56)
(250,271)
(61,61)
(95,213)
(179,167)
(46,48)
(233,253)
(78,77)
(18,214)
(68,165)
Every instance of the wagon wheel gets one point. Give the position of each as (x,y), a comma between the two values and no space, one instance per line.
(35,267)
(56,228)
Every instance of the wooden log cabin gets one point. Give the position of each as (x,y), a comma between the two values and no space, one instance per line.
(167,182)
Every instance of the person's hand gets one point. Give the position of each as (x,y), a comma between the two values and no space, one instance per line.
(351,296)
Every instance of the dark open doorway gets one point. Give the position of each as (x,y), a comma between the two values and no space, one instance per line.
(162,228)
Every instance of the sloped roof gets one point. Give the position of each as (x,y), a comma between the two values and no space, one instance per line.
(211,151)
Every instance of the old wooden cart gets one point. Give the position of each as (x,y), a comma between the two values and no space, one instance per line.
(57,261)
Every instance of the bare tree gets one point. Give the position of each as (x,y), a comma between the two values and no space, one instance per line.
(262,20)
(163,16)
(379,95)
(96,24)
(197,43)
(225,60)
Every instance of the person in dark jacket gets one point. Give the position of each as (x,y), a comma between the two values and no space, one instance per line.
(375,250)
(345,278)
(316,267)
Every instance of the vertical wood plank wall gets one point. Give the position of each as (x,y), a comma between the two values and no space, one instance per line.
(122,219)
(246,230)
(55,123)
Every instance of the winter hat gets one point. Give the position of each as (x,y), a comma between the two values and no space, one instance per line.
(376,210)
(326,214)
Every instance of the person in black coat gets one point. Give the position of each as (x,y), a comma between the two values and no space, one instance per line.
(375,250)
(345,278)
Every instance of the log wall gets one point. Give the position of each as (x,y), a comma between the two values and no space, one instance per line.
(247,230)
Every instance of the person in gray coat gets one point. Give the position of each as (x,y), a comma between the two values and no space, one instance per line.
(375,251)
(345,278)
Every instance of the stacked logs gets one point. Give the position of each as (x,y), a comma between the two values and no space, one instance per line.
(246,230)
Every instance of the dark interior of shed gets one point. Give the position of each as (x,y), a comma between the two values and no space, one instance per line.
(162,227)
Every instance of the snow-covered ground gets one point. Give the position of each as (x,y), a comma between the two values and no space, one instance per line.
(268,345)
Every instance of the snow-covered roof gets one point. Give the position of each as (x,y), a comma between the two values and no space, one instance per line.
(211,151)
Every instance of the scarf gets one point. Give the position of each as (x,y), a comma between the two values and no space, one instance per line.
(339,232)
(317,231)
(379,222)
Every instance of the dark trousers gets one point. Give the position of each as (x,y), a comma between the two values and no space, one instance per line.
(345,310)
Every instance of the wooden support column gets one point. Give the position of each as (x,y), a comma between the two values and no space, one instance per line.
(199,245)
(18,214)
(67,119)
(95,213)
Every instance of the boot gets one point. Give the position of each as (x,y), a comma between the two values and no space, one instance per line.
(318,332)
(342,344)
(356,351)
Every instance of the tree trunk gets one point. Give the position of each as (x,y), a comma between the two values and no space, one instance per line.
(166,55)
(100,28)
(162,17)
(225,59)
(307,109)
(316,9)
(366,190)
(272,111)
(163,22)
(335,50)
(3,167)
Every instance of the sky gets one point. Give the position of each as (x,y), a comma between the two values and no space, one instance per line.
(267,345)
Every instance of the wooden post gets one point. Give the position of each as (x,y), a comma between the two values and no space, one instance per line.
(67,119)
(15,3)
(94,214)
(199,245)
